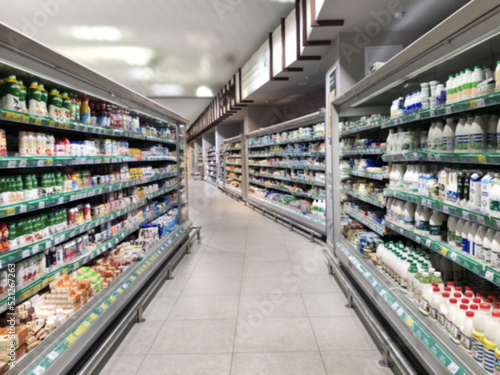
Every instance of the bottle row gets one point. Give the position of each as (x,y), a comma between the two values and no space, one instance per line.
(18,189)
(291,149)
(70,107)
(292,187)
(39,316)
(293,162)
(363,188)
(473,133)
(364,122)
(465,85)
(361,144)
(305,175)
(45,144)
(365,165)
(474,190)
(297,135)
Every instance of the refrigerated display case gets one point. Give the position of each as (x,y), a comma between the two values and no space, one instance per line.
(387,160)
(286,170)
(233,166)
(94,210)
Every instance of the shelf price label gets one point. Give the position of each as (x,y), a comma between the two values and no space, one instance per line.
(70,340)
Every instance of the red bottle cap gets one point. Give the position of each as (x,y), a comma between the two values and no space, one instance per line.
(474,307)
(469,295)
(453,300)
(496,313)
(488,300)
(446,295)
(485,306)
(435,289)
(464,307)
(465,300)
(457,295)
(470,314)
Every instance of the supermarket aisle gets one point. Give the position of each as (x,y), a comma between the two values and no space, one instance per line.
(252,298)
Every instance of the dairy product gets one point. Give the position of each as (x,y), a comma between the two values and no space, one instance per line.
(494,198)
(490,331)
(479,238)
(495,252)
(458,322)
(452,224)
(465,237)
(475,199)
(443,309)
(491,134)
(477,134)
(466,331)
(461,136)
(486,184)
(448,138)
(435,226)
(451,315)
(487,243)
(478,332)
(434,303)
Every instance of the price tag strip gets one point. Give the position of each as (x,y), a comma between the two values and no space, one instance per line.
(93,315)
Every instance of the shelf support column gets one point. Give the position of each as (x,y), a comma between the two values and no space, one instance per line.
(386,357)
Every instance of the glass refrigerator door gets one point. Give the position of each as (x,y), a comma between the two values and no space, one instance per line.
(183,173)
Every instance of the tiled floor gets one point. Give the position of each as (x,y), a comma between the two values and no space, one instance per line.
(252,298)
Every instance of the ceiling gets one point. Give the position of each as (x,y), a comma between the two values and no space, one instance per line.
(156,47)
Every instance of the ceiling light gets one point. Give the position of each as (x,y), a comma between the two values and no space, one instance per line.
(97,33)
(204,92)
(141,73)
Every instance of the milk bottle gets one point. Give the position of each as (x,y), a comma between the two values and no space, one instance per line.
(478,332)
(471,237)
(443,309)
(478,242)
(466,331)
(448,139)
(495,252)
(490,331)
(457,323)
(491,134)
(487,242)
(477,135)
(452,224)
(434,303)
(451,314)
(486,185)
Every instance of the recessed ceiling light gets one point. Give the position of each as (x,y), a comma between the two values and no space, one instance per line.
(204,92)
(97,33)
(161,89)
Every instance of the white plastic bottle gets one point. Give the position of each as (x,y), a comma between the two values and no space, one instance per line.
(452,224)
(466,331)
(438,136)
(466,83)
(477,135)
(409,215)
(478,250)
(452,187)
(443,309)
(431,136)
(457,323)
(418,219)
(451,314)
(425,221)
(380,252)
(478,328)
(458,233)
(461,137)
(495,252)
(434,303)
(487,243)
(477,78)
(471,238)
(490,333)
(448,138)
(491,134)
(465,237)
(435,226)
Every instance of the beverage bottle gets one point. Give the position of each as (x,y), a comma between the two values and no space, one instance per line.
(85,112)
(55,105)
(66,107)
(11,91)
(490,332)
(22,97)
(34,98)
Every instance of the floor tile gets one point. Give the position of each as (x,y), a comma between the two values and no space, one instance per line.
(218,270)
(186,364)
(142,338)
(297,363)
(269,284)
(267,269)
(261,335)
(220,286)
(195,337)
(326,304)
(123,365)
(159,308)
(272,306)
(339,333)
(205,307)
(310,283)
(354,362)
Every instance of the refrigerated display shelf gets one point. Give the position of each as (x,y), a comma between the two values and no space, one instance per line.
(463,106)
(232,149)
(377,228)
(363,198)
(102,303)
(291,192)
(361,128)
(442,157)
(307,219)
(212,175)
(297,180)
(29,290)
(232,188)
(376,151)
(374,176)
(300,140)
(447,208)
(64,161)
(290,166)
(233,178)
(285,154)
(236,164)
(455,254)
(15,118)
(419,331)
(15,255)
(71,196)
